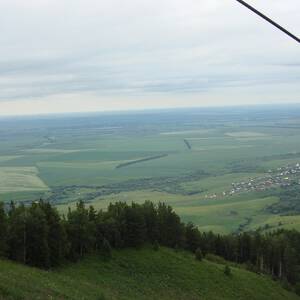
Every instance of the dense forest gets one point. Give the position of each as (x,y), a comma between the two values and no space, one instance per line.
(289,201)
(39,236)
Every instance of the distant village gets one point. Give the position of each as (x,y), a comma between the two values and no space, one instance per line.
(281,177)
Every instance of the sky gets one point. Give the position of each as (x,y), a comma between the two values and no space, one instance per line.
(59,56)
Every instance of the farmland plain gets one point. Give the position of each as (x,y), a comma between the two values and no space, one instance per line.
(187,158)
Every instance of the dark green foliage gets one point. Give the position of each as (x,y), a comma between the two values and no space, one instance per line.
(290,257)
(57,236)
(39,236)
(198,254)
(227,270)
(122,165)
(3,231)
(135,233)
(289,203)
(297,288)
(17,233)
(192,236)
(92,214)
(80,231)
(155,245)
(151,220)
(106,249)
(37,249)
(36,235)
(170,228)
(286,285)
(107,227)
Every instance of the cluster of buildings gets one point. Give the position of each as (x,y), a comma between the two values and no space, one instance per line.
(281,177)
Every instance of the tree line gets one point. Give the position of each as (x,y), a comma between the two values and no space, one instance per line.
(289,203)
(38,235)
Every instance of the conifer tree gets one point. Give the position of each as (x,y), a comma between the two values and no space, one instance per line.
(17,233)
(171,230)
(192,237)
(78,229)
(135,226)
(38,253)
(291,262)
(92,213)
(3,231)
(39,236)
(57,236)
(151,221)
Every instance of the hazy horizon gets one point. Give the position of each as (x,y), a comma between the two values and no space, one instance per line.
(264,107)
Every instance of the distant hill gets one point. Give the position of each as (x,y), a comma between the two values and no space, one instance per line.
(138,274)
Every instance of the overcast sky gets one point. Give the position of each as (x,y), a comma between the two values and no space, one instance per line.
(95,55)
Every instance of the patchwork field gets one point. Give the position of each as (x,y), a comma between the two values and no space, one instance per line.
(16,179)
(204,162)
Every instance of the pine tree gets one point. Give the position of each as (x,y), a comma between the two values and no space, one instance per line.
(116,216)
(17,233)
(3,230)
(57,236)
(38,253)
(78,229)
(12,208)
(171,230)
(135,226)
(151,221)
(290,264)
(192,237)
(92,213)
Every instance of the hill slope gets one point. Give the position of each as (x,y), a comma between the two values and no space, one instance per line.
(137,274)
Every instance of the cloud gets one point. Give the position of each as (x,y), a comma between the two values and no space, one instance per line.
(159,52)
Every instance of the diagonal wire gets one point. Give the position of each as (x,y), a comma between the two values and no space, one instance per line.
(269,20)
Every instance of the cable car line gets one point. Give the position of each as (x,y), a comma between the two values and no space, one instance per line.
(269,20)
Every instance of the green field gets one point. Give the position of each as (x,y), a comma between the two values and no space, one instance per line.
(17,179)
(188,158)
(129,275)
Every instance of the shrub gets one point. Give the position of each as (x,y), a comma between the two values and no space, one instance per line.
(155,245)
(297,288)
(215,258)
(227,270)
(198,254)
(106,249)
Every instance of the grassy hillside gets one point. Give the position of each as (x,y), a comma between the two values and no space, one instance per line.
(137,274)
